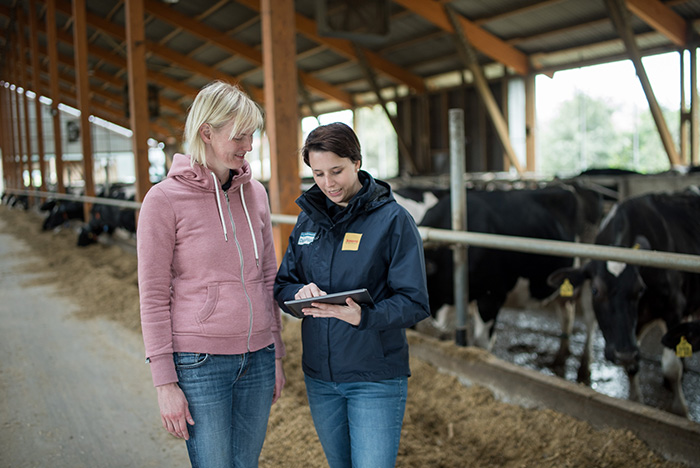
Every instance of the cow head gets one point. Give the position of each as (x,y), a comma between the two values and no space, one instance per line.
(617,289)
(86,236)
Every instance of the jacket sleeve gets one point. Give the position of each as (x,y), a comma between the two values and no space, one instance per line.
(269,271)
(288,281)
(155,241)
(407,300)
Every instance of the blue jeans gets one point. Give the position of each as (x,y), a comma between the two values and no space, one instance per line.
(229,398)
(358,423)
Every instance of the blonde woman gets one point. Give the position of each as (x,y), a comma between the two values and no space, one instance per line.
(206,269)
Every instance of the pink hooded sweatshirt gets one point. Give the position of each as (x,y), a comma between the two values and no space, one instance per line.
(206,267)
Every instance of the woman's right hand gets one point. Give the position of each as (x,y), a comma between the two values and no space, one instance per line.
(310,290)
(174,410)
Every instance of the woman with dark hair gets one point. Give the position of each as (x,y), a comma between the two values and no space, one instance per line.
(352,234)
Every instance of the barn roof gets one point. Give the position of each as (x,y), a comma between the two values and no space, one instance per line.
(404,46)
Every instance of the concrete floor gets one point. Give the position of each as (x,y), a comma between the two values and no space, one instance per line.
(75,393)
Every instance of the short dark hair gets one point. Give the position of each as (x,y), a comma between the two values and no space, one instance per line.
(336,137)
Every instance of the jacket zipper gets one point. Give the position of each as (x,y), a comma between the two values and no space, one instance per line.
(240,256)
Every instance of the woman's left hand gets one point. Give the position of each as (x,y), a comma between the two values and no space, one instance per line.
(350,313)
(280,380)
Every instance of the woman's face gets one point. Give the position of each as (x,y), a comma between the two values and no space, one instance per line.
(335,176)
(222,152)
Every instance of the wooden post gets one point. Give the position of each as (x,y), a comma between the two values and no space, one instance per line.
(530,123)
(82,82)
(694,131)
(18,121)
(685,115)
(52,50)
(281,110)
(36,84)
(24,81)
(138,93)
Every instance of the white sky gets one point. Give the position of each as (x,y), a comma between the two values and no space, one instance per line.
(616,81)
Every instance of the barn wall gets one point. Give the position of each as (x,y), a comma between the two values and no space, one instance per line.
(423,121)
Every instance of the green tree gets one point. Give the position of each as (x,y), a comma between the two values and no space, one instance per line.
(588,132)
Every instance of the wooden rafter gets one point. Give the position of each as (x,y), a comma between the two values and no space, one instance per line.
(662,18)
(468,54)
(309,28)
(619,15)
(235,47)
(482,40)
(404,149)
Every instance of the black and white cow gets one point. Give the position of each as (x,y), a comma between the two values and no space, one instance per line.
(418,200)
(61,212)
(628,299)
(15,201)
(688,331)
(105,219)
(560,213)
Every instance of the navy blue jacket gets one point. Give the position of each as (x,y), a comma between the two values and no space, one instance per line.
(387,260)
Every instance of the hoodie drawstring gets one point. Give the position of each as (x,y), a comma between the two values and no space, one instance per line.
(250,226)
(218,203)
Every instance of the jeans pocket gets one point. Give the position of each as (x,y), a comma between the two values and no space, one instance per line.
(270,348)
(190,360)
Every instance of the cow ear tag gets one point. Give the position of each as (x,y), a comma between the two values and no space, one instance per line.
(684,349)
(637,246)
(566,289)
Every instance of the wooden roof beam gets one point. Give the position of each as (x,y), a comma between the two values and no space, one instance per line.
(618,14)
(119,33)
(111,103)
(235,47)
(662,18)
(468,55)
(111,79)
(109,57)
(479,38)
(309,28)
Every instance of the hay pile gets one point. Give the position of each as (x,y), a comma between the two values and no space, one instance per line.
(446,424)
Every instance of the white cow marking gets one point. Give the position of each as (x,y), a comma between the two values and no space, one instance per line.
(615,268)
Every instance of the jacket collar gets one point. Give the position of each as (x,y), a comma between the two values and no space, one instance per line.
(373,194)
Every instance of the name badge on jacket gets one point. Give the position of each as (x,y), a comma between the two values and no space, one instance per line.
(351,241)
(306,238)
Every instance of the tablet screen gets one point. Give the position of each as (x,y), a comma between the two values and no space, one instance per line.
(361,296)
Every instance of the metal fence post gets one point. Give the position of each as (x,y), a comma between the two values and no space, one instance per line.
(459,223)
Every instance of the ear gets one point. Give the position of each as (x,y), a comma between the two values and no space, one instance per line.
(571,277)
(357,165)
(205,133)
(641,242)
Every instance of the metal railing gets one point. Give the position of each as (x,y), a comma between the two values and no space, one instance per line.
(78,198)
(654,258)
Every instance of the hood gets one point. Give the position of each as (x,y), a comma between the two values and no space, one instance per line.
(374,193)
(200,177)
(203,179)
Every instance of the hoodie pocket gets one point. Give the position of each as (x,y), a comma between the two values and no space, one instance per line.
(225,311)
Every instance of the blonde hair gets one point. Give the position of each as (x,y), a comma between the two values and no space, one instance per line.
(217,104)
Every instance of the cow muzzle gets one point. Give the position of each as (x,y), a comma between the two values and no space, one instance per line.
(629,360)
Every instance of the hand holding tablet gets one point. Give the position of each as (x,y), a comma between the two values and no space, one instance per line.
(361,296)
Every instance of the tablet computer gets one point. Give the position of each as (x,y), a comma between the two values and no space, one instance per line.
(361,296)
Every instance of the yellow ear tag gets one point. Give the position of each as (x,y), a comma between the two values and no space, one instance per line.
(566,289)
(684,349)
(636,246)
